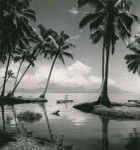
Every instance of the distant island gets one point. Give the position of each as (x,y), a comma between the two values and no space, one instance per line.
(65,89)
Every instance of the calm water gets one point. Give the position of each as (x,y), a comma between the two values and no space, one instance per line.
(81,130)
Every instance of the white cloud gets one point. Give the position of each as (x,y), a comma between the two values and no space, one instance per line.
(75,37)
(73,11)
(78,74)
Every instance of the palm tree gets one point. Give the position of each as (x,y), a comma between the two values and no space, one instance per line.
(41,41)
(15,28)
(133,60)
(22,56)
(110,21)
(57,50)
(10,74)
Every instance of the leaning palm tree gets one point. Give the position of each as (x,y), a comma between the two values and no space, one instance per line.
(110,21)
(15,28)
(22,55)
(41,41)
(133,59)
(57,50)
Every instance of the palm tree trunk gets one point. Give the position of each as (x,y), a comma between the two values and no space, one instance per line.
(5,78)
(103,98)
(48,80)
(6,81)
(23,75)
(103,56)
(17,75)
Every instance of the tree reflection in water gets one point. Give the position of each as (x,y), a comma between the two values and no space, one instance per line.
(3,117)
(15,118)
(133,141)
(42,105)
(105,143)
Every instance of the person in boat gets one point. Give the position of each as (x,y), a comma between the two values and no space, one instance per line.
(66,97)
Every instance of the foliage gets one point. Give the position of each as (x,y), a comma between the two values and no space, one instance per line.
(133,60)
(29,116)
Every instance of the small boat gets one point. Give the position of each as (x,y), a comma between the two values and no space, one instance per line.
(65,100)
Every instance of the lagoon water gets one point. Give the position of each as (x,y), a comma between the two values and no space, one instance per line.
(81,131)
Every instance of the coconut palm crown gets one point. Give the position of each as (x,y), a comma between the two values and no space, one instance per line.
(133,59)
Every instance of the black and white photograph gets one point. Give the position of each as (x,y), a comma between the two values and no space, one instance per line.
(69,74)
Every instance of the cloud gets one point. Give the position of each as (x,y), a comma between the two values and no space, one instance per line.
(76,75)
(75,37)
(73,11)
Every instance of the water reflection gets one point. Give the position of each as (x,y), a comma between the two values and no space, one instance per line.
(3,117)
(62,131)
(15,118)
(42,105)
(133,141)
(105,143)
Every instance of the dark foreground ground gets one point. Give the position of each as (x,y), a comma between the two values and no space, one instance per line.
(11,141)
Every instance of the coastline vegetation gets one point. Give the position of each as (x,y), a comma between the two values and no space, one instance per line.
(110,21)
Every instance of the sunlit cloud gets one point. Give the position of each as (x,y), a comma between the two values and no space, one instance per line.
(76,75)
(73,11)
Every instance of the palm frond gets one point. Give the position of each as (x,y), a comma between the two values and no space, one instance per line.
(68,55)
(88,18)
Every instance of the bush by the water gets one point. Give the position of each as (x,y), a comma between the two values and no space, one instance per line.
(29,116)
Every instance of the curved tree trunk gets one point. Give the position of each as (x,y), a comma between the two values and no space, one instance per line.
(5,78)
(103,98)
(6,81)
(17,75)
(48,80)
(23,75)
(12,93)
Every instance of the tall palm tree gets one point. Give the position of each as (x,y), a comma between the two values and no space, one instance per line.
(111,21)
(41,41)
(15,28)
(57,50)
(133,60)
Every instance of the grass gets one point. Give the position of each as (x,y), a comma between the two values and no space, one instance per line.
(29,116)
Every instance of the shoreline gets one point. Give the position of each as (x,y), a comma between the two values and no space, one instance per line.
(5,100)
(116,111)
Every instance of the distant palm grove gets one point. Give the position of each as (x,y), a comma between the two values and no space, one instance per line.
(109,21)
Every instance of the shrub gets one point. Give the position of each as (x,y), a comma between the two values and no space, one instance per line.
(29,116)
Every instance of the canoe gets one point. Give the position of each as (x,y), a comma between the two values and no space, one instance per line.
(65,101)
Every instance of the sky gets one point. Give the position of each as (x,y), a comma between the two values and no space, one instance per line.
(85,69)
